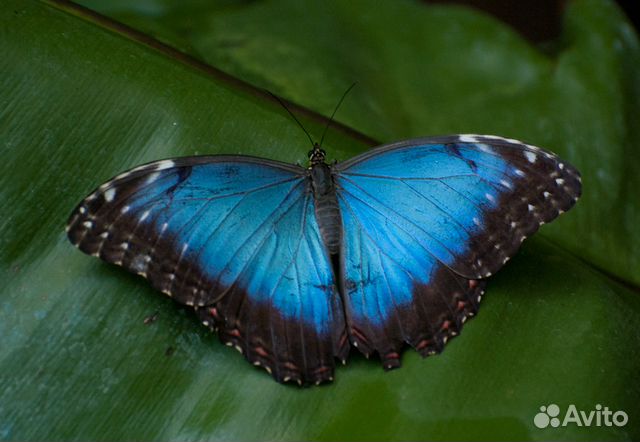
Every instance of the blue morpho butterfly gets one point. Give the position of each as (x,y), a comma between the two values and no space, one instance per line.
(293,265)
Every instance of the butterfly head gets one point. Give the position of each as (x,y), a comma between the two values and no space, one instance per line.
(316,155)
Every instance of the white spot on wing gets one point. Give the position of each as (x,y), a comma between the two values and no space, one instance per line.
(519,172)
(109,194)
(468,138)
(531,157)
(87,224)
(152,177)
(559,181)
(506,184)
(125,209)
(490,197)
(530,207)
(144,215)
(166,164)
(485,148)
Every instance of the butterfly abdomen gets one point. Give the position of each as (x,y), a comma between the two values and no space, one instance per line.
(326,207)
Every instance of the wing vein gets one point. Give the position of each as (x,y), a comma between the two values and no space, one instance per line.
(396,224)
(267,221)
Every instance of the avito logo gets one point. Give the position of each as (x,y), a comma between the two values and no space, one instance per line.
(549,415)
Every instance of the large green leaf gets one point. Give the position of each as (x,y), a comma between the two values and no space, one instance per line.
(81,101)
(440,70)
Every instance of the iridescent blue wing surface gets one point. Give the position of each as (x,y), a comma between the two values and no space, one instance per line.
(236,238)
(425,221)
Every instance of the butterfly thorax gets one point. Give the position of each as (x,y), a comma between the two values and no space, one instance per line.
(326,206)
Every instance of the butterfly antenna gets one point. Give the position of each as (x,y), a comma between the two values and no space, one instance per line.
(334,112)
(292,116)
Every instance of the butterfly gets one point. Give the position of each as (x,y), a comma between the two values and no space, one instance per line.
(294,265)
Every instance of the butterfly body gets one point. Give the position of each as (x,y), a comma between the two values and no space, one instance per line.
(293,266)
(327,210)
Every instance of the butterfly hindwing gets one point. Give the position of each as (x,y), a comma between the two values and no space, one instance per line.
(394,292)
(236,238)
(425,220)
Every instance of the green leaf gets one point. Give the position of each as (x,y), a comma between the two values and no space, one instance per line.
(83,100)
(436,70)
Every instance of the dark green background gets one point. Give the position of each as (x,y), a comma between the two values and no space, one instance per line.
(83,99)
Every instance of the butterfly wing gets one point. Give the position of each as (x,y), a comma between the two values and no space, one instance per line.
(234,237)
(425,220)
